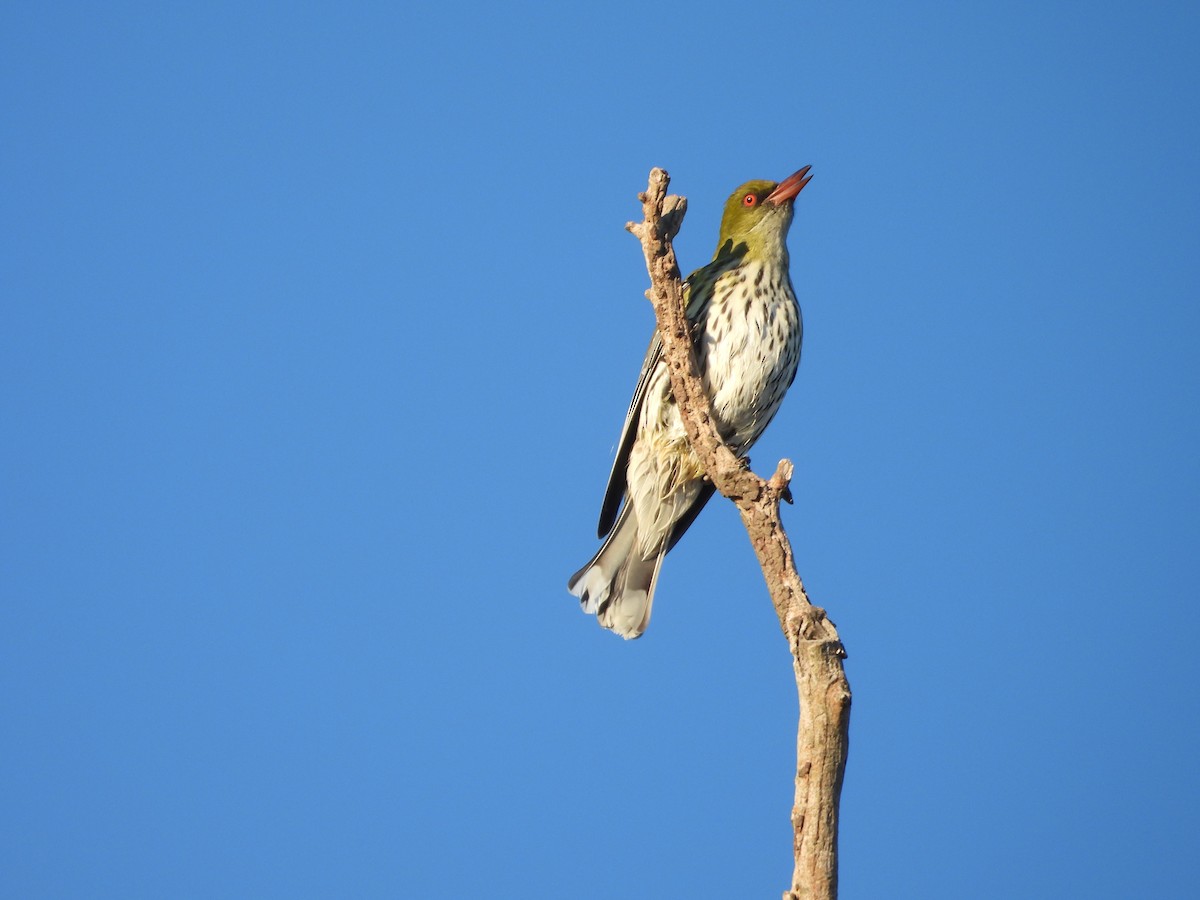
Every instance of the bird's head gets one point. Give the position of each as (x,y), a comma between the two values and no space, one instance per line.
(759,213)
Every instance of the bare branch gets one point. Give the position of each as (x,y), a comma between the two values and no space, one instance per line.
(817,652)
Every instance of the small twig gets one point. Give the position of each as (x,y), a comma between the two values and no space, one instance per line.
(817,651)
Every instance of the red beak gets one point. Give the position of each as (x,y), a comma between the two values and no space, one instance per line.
(790,187)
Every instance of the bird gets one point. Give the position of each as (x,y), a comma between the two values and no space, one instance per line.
(746,330)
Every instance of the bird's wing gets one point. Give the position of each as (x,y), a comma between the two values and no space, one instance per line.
(700,283)
(615,491)
(697,289)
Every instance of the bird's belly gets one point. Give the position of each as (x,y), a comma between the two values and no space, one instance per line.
(748,370)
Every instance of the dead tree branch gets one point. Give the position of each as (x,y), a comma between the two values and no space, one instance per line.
(817,651)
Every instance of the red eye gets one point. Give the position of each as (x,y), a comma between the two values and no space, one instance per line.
(749,200)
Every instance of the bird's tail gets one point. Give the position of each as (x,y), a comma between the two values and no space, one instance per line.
(617,584)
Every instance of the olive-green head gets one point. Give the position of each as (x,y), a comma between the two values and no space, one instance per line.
(759,213)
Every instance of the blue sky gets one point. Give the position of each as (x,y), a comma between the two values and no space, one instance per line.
(318,328)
